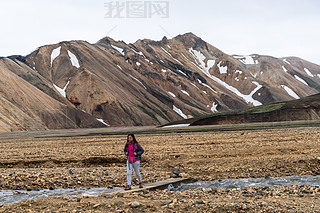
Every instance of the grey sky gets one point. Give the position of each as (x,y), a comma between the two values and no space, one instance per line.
(272,27)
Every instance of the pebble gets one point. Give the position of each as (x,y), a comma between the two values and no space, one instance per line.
(135,204)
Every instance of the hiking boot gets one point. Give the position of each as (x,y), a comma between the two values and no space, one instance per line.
(140,185)
(128,187)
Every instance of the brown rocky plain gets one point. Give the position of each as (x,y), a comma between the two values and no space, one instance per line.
(33,162)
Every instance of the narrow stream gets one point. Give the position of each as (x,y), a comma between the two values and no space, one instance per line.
(12,196)
(251,182)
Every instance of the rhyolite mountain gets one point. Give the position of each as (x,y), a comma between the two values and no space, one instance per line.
(77,84)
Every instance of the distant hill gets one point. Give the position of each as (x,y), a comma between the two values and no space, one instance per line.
(307,108)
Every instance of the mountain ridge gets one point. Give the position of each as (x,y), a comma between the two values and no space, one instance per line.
(155,82)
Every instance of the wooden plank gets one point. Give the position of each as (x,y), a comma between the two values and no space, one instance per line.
(157,185)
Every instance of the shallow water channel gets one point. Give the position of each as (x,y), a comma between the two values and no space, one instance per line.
(12,196)
(251,182)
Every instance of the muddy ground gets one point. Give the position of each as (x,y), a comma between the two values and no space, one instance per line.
(33,163)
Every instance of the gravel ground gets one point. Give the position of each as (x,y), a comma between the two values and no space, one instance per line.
(31,163)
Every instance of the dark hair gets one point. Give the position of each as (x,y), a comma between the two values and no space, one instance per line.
(134,138)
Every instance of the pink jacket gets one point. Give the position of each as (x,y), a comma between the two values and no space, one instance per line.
(131,156)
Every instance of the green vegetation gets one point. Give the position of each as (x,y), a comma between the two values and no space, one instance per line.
(148,113)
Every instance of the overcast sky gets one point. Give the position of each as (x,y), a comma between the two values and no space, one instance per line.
(271,27)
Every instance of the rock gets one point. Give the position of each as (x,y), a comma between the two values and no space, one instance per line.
(183,175)
(199,202)
(96,205)
(120,194)
(120,203)
(165,203)
(135,204)
(78,199)
(171,205)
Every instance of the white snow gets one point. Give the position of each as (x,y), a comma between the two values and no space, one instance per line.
(168,46)
(208,106)
(259,93)
(194,85)
(163,70)
(319,75)
(183,73)
(139,53)
(290,92)
(285,60)
(205,92)
(173,95)
(185,92)
(284,69)
(239,71)
(119,67)
(245,78)
(170,55)
(177,110)
(222,69)
(236,78)
(176,125)
(246,59)
(138,81)
(120,50)
(308,72)
(247,98)
(200,60)
(102,121)
(300,79)
(214,107)
(62,91)
(138,64)
(54,54)
(200,82)
(74,60)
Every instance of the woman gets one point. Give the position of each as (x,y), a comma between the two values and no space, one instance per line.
(133,151)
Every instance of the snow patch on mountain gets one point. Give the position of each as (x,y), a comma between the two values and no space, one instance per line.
(139,53)
(119,49)
(173,95)
(238,71)
(185,92)
(246,59)
(284,69)
(214,107)
(102,121)
(62,91)
(206,85)
(308,72)
(200,60)
(301,80)
(182,73)
(285,60)
(164,50)
(54,54)
(177,110)
(138,81)
(222,69)
(73,59)
(290,92)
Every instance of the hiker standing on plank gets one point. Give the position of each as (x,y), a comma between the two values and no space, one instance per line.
(133,151)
